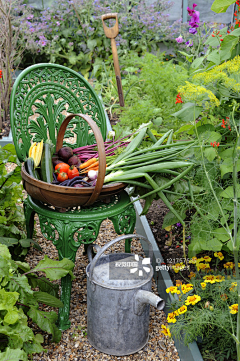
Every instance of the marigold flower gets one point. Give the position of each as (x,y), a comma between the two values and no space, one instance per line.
(193,260)
(171,318)
(209,279)
(178,267)
(192,300)
(173,289)
(178,283)
(234,287)
(219,255)
(219,278)
(202,266)
(182,309)
(165,330)
(0,74)
(207,259)
(192,275)
(228,265)
(185,288)
(234,308)
(203,284)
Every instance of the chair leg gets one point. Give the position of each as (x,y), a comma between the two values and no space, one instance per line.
(29,216)
(124,223)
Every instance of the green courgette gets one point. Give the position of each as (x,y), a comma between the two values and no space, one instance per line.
(29,166)
(46,162)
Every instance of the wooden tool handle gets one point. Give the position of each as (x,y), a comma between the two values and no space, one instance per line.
(112,32)
(101,151)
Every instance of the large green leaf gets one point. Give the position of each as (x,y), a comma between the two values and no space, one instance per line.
(227,166)
(13,355)
(228,192)
(214,56)
(229,42)
(188,113)
(210,154)
(44,285)
(8,241)
(49,300)
(221,6)
(55,270)
(46,321)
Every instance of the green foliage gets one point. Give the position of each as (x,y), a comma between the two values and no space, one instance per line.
(221,6)
(150,89)
(18,301)
(12,220)
(209,321)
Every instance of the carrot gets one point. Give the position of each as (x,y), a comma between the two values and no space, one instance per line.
(88,163)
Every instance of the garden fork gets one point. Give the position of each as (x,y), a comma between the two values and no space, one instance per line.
(111,33)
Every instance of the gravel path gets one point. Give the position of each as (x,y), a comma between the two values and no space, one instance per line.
(74,344)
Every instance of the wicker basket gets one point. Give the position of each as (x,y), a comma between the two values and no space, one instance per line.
(63,197)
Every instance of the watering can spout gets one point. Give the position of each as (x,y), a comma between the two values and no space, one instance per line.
(144,297)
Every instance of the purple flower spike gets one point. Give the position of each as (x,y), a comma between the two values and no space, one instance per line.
(192,30)
(179,224)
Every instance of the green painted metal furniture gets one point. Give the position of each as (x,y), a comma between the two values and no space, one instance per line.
(42,96)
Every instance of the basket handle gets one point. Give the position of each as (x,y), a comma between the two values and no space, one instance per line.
(101,151)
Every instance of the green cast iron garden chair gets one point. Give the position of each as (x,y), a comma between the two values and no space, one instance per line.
(42,96)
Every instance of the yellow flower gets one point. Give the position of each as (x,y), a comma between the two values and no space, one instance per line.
(234,308)
(228,265)
(198,94)
(193,260)
(234,286)
(219,255)
(186,288)
(192,275)
(176,313)
(178,283)
(173,289)
(178,267)
(209,279)
(182,309)
(202,266)
(192,300)
(203,284)
(207,259)
(219,278)
(171,318)
(165,330)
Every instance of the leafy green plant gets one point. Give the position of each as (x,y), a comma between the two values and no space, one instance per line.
(12,220)
(205,309)
(18,302)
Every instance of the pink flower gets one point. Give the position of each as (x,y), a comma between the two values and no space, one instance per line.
(180,39)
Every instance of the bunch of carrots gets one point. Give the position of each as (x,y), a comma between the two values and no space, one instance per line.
(91,164)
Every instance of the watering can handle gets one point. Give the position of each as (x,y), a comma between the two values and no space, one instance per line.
(89,250)
(109,244)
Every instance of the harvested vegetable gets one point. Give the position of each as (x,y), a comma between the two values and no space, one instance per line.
(62,167)
(72,172)
(88,163)
(46,162)
(35,152)
(65,153)
(74,160)
(62,176)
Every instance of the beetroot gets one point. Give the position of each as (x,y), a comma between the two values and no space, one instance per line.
(65,153)
(56,160)
(74,160)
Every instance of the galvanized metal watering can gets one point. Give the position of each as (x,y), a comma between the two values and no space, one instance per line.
(118,298)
